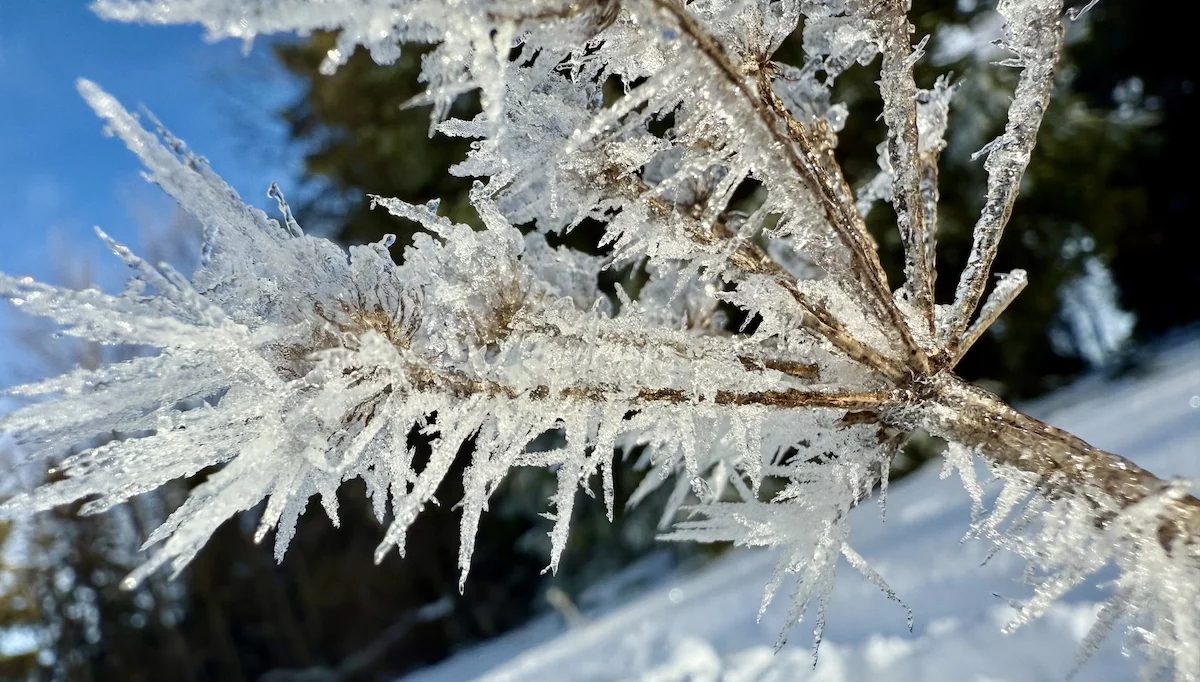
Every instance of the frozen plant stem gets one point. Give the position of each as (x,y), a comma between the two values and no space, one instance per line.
(304,368)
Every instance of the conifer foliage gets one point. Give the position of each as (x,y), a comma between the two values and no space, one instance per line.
(296,366)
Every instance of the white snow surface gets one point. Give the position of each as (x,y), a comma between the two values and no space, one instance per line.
(703,627)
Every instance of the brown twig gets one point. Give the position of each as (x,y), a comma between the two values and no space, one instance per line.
(806,167)
(1062,462)
(462,386)
(749,258)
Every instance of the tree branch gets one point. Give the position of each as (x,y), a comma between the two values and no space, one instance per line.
(462,386)
(806,167)
(899,92)
(1063,464)
(1007,159)
(750,259)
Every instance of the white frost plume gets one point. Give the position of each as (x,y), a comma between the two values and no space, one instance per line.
(296,366)
(299,367)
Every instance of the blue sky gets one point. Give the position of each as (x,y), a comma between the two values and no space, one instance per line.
(59,175)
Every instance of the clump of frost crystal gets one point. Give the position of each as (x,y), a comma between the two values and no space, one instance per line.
(294,366)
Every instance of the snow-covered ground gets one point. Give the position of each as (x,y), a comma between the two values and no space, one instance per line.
(702,627)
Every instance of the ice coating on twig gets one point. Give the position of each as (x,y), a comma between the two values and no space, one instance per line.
(297,366)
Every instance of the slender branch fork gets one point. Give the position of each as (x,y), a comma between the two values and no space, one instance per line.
(1003,436)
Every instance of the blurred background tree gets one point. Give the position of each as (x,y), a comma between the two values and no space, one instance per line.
(1102,226)
(1154,256)
(20,618)
(359,138)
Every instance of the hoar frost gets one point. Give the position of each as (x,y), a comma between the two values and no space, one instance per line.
(294,366)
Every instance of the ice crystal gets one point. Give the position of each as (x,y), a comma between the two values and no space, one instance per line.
(291,366)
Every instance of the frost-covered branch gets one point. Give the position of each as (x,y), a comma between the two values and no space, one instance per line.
(806,173)
(1063,464)
(293,366)
(899,91)
(1033,32)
